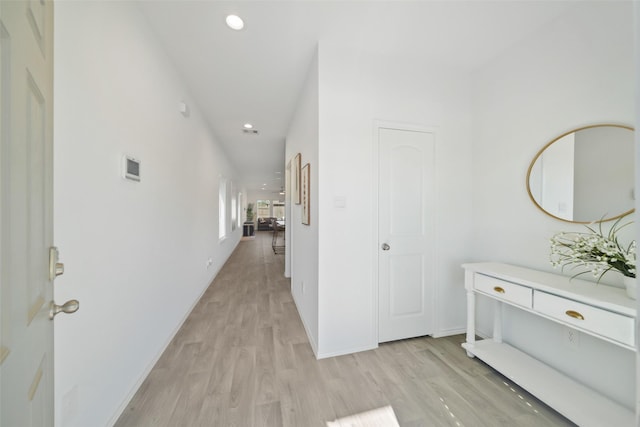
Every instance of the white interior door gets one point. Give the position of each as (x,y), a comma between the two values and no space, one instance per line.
(405,233)
(26,214)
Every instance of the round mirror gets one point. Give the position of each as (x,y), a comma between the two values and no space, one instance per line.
(585,175)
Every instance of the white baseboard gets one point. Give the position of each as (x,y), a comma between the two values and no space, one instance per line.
(312,341)
(458,331)
(448,332)
(153,362)
(314,344)
(347,351)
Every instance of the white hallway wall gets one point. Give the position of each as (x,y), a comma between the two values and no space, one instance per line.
(302,138)
(355,89)
(135,253)
(637,185)
(578,70)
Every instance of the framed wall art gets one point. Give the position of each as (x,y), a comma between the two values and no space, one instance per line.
(306,196)
(295,179)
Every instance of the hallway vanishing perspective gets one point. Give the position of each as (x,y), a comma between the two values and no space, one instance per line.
(242,358)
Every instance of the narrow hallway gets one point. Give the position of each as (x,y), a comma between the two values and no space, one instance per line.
(242,358)
(220,368)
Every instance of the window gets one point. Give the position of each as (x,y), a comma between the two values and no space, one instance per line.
(222,209)
(270,208)
(263,208)
(278,209)
(239,210)
(234,210)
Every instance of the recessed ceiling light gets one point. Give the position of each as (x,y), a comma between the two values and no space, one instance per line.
(235,22)
(247,126)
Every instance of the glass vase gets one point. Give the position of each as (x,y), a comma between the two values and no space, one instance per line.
(630,284)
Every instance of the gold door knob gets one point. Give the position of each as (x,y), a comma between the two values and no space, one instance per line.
(68,307)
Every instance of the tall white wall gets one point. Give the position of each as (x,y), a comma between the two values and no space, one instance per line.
(302,138)
(576,71)
(355,90)
(637,185)
(135,253)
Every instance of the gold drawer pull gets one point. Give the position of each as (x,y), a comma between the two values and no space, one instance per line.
(498,289)
(574,314)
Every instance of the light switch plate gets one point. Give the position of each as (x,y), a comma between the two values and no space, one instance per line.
(340,202)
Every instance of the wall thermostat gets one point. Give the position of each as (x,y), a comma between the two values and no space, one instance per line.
(131,168)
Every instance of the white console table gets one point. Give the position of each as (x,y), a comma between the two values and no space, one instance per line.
(599,310)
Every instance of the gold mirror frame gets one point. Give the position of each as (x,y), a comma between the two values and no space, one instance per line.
(542,150)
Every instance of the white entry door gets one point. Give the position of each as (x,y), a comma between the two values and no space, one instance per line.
(406,233)
(26,214)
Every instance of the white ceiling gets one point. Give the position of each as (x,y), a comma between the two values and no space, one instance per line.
(255,75)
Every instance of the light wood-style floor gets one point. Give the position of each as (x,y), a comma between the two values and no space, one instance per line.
(242,359)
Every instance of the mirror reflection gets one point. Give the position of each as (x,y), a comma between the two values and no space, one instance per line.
(585,175)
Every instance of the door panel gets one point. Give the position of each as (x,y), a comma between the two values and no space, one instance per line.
(406,278)
(404,179)
(37,282)
(405,232)
(26,215)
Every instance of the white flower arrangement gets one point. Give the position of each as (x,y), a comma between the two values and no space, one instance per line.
(594,251)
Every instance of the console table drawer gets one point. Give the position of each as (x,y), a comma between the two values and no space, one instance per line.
(606,323)
(607,314)
(505,291)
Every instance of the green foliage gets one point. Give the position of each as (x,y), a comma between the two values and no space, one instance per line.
(249,211)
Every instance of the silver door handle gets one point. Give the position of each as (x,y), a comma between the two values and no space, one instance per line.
(68,307)
(55,268)
(59,269)
(385,247)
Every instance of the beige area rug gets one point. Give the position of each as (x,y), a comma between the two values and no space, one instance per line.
(244,238)
(381,417)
